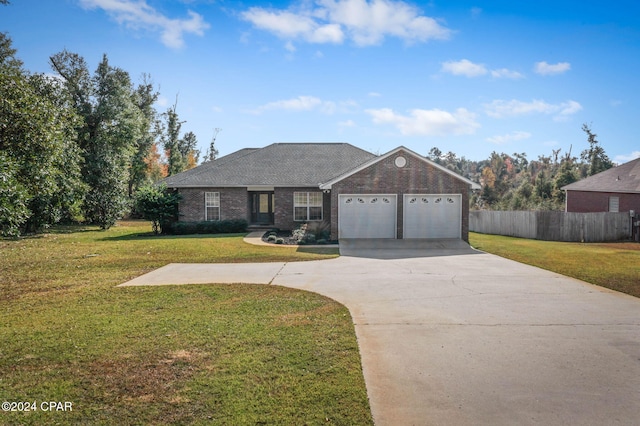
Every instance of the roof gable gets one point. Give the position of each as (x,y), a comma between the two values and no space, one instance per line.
(328,184)
(623,178)
(279,164)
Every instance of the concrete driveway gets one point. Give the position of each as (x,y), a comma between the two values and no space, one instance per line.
(458,337)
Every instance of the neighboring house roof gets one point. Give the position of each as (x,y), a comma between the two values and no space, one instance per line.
(279,164)
(624,178)
(328,184)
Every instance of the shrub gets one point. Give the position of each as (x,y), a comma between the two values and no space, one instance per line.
(299,233)
(321,230)
(208,227)
(157,204)
(279,240)
(271,238)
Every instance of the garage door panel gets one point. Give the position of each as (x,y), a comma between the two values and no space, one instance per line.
(367,216)
(432,215)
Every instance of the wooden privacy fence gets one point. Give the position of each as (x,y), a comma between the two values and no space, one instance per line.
(553,226)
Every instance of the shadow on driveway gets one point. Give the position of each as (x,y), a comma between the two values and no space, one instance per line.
(402,249)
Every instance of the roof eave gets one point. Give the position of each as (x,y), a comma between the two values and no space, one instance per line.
(609,190)
(246,185)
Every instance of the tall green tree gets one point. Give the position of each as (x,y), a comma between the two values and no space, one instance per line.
(595,155)
(144,97)
(40,177)
(181,153)
(112,126)
(171,141)
(212,151)
(188,149)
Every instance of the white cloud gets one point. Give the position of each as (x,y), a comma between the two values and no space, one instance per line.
(364,22)
(290,47)
(464,67)
(289,25)
(374,94)
(568,108)
(544,68)
(137,14)
(621,159)
(306,103)
(506,73)
(347,123)
(510,137)
(301,103)
(502,108)
(470,69)
(434,122)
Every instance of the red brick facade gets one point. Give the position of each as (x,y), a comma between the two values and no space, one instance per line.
(417,176)
(283,217)
(384,177)
(594,202)
(234,203)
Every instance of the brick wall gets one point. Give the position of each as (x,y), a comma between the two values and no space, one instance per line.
(283,215)
(415,177)
(594,202)
(234,203)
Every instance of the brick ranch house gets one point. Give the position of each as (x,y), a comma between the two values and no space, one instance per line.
(614,190)
(400,194)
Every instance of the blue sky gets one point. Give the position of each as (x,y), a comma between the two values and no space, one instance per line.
(470,77)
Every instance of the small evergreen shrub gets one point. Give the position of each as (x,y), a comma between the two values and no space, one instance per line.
(231,226)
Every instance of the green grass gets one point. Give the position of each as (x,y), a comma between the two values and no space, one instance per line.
(201,354)
(612,265)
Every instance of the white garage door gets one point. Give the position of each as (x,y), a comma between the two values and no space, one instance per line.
(432,215)
(367,216)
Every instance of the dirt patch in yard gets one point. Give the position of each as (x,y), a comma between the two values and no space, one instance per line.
(620,246)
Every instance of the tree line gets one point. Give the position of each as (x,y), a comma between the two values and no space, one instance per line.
(513,182)
(77,146)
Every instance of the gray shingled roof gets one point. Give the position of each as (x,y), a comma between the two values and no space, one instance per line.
(279,164)
(624,178)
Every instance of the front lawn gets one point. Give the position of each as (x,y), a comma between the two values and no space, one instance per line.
(207,354)
(611,265)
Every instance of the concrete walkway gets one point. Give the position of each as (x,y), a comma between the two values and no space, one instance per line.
(468,338)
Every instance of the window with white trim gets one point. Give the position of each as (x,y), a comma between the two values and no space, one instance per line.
(307,206)
(211,206)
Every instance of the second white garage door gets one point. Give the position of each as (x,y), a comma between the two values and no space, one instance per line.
(367,216)
(432,216)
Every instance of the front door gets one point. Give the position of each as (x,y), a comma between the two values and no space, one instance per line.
(262,208)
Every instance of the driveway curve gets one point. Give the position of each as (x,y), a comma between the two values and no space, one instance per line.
(467,338)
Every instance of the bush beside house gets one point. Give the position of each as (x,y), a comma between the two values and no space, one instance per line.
(231,226)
